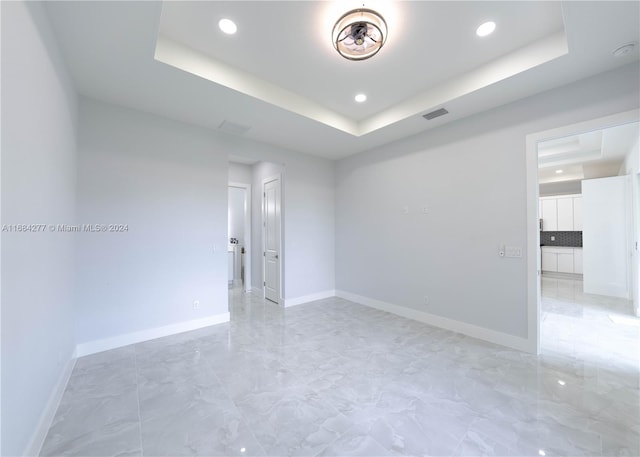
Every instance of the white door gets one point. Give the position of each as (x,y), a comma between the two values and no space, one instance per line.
(635,254)
(604,235)
(271,195)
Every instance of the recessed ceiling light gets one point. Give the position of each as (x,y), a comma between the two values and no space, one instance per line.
(561,382)
(559,171)
(541,452)
(486,29)
(228,26)
(361,98)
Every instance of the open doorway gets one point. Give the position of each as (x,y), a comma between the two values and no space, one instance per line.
(239,233)
(581,215)
(256,190)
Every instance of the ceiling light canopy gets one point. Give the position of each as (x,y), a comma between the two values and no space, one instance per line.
(228,26)
(359,34)
(486,29)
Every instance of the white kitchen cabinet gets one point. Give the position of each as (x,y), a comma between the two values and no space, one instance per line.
(549,261)
(565,262)
(577,260)
(561,214)
(565,214)
(577,214)
(560,259)
(549,215)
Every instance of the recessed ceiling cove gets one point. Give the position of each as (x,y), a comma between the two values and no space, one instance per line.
(283,54)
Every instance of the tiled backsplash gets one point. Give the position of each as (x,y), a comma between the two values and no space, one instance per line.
(570,239)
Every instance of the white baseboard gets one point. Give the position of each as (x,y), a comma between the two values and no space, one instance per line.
(492,336)
(92,347)
(46,418)
(554,274)
(288,302)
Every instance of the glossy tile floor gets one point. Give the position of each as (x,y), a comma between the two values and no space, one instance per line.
(336,378)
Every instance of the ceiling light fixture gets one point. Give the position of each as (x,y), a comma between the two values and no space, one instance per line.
(486,29)
(361,98)
(359,34)
(559,171)
(227,26)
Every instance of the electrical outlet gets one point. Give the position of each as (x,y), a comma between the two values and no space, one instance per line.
(196,304)
(425,210)
(405,210)
(426,299)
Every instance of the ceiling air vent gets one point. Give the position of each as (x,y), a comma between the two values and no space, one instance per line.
(233,128)
(434,114)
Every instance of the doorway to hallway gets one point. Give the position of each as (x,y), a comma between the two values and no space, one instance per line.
(239,234)
(258,247)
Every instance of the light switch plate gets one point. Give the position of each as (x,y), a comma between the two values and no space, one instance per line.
(513,251)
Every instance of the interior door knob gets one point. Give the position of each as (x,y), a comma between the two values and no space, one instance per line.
(276,256)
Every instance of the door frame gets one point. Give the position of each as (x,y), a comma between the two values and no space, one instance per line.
(281,239)
(533,233)
(247,232)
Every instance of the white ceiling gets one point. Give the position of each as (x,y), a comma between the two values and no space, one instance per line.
(280,76)
(595,154)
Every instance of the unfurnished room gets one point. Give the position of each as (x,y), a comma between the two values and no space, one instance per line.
(320,228)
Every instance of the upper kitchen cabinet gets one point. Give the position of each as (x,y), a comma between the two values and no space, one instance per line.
(562,213)
(577,214)
(565,214)
(549,214)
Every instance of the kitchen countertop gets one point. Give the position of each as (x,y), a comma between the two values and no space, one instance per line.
(556,246)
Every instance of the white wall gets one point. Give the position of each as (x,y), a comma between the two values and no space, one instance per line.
(308,195)
(167,182)
(470,175)
(38,187)
(560,188)
(240,173)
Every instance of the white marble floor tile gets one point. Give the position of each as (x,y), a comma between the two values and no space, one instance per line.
(355,442)
(120,438)
(199,432)
(336,378)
